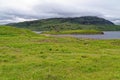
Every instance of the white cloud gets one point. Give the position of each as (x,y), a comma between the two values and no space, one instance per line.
(15,20)
(38,9)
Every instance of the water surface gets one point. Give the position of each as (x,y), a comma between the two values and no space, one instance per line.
(106,35)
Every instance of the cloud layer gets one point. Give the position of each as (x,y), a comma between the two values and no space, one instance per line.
(25,10)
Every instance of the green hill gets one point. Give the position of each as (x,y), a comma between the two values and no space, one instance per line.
(87,22)
(12,31)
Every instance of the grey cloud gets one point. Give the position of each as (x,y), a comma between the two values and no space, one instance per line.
(116,21)
(39,9)
(60,10)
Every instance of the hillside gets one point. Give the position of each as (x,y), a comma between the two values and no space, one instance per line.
(12,31)
(87,22)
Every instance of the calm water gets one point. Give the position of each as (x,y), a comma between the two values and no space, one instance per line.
(106,35)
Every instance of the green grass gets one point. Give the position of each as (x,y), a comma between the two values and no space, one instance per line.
(74,32)
(53,58)
(12,31)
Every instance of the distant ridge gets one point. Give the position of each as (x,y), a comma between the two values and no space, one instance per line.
(85,20)
(67,23)
(94,20)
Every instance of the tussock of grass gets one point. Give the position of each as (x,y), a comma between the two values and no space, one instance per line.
(74,32)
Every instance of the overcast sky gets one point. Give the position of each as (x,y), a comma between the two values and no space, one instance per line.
(24,10)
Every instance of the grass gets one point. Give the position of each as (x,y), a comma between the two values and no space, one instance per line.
(74,32)
(12,31)
(62,58)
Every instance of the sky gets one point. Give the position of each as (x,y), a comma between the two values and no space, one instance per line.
(26,10)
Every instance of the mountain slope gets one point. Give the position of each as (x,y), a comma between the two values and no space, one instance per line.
(86,22)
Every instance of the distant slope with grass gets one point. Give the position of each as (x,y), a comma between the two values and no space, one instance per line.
(74,32)
(87,22)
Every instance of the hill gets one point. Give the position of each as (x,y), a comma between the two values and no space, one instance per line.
(12,31)
(86,22)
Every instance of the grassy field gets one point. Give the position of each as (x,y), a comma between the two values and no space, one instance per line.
(75,32)
(38,57)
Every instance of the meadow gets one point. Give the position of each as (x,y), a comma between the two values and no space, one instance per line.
(29,56)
